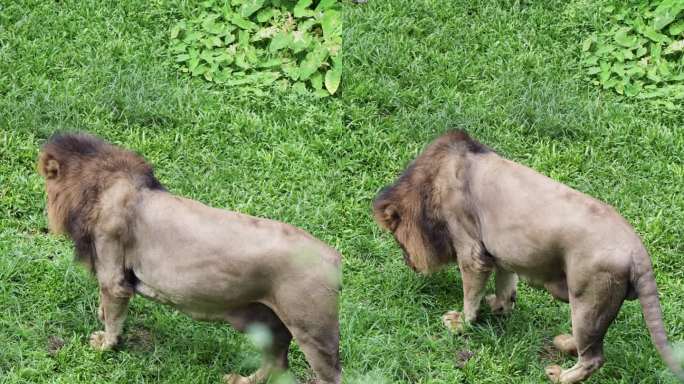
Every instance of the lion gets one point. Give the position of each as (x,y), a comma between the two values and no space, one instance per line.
(460,202)
(213,264)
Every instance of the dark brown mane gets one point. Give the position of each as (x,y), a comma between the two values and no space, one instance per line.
(78,168)
(415,197)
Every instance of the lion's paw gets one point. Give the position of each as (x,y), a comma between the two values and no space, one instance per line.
(497,306)
(454,321)
(554,373)
(494,304)
(234,378)
(98,340)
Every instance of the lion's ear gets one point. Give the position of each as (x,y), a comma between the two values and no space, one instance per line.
(387,215)
(48,167)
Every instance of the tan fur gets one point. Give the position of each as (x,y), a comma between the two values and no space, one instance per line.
(460,202)
(212,264)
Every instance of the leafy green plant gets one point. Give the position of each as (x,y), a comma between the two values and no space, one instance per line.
(259,42)
(641,56)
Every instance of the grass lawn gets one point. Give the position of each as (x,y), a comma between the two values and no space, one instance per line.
(508,72)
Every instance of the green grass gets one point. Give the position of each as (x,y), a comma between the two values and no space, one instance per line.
(507,71)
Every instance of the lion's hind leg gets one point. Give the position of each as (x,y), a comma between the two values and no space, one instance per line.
(269,330)
(503,301)
(593,310)
(314,324)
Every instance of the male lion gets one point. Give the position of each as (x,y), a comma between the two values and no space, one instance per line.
(212,264)
(459,202)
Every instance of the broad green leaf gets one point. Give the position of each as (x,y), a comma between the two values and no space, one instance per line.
(193,63)
(656,50)
(265,14)
(301,9)
(291,70)
(666,12)
(664,69)
(175,31)
(251,56)
(674,47)
(621,37)
(224,58)
(212,27)
(619,69)
(207,56)
(179,48)
(208,75)
(618,55)
(199,70)
(222,76)
(652,74)
(312,62)
(213,41)
(591,61)
(299,87)
(610,83)
(250,6)
(242,22)
(183,57)
(641,51)
(271,63)
(265,77)
(300,41)
(316,80)
(280,41)
(192,36)
(632,89)
(264,33)
(586,44)
(243,39)
(652,34)
(332,79)
(332,24)
(306,25)
(635,71)
(603,49)
(676,28)
(593,70)
(325,4)
(321,93)
(241,61)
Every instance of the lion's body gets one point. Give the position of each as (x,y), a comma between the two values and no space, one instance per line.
(532,224)
(224,251)
(460,202)
(209,263)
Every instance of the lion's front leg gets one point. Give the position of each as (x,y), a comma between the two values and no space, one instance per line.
(474,282)
(112,313)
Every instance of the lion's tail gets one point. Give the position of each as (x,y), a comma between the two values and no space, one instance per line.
(645,285)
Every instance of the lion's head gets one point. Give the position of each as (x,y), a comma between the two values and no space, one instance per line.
(412,208)
(77,168)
